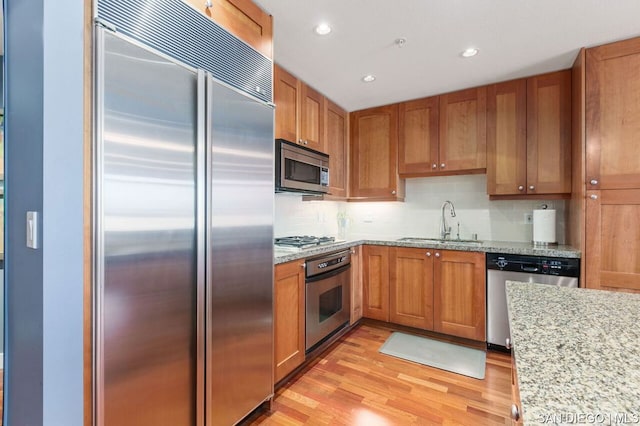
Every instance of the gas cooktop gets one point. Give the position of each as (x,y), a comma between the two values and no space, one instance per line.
(301,242)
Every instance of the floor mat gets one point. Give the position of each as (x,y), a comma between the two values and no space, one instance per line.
(445,356)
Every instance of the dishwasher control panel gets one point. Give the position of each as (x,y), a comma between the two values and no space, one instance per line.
(562,266)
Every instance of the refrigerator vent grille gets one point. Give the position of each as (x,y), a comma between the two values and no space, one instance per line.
(176,29)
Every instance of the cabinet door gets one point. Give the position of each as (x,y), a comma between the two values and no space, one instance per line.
(375,282)
(242,18)
(374,154)
(459,293)
(285,94)
(289,317)
(612,111)
(418,136)
(463,136)
(507,138)
(336,120)
(411,287)
(312,118)
(356,284)
(612,253)
(549,133)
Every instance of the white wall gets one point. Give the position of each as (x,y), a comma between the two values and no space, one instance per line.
(419,215)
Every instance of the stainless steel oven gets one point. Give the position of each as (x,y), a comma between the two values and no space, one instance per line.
(300,169)
(328,293)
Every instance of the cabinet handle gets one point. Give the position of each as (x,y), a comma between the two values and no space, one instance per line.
(300,141)
(507,343)
(428,254)
(442,165)
(434,166)
(593,181)
(437,254)
(208,4)
(521,188)
(593,196)
(393,192)
(531,187)
(303,265)
(515,412)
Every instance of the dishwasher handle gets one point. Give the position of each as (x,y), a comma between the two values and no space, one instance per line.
(529,268)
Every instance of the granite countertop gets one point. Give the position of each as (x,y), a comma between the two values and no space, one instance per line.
(577,353)
(510,247)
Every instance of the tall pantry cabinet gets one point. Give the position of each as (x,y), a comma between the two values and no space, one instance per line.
(611,171)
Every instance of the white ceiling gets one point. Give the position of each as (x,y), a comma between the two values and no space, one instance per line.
(516,38)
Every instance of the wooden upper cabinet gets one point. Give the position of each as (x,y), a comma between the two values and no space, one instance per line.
(289,317)
(242,18)
(311,118)
(613,240)
(507,138)
(529,136)
(375,282)
(612,116)
(336,145)
(411,287)
(300,111)
(459,293)
(418,136)
(463,138)
(286,90)
(549,133)
(374,154)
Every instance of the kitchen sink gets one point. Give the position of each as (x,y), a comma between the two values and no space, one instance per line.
(440,241)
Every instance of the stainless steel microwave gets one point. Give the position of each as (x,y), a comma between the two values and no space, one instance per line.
(300,169)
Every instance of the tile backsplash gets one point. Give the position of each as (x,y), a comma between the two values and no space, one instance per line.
(419,215)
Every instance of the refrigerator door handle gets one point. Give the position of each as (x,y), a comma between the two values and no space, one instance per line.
(202,237)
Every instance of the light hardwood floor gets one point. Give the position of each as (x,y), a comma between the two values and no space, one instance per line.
(353,384)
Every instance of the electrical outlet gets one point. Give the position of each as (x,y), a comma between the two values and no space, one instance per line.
(528,218)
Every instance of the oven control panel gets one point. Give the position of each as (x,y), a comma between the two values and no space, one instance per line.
(328,262)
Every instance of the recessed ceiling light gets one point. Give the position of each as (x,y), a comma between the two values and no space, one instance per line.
(323,28)
(368,78)
(472,51)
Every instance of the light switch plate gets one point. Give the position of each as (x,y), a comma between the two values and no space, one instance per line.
(32,230)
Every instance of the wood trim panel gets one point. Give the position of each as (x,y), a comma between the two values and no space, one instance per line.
(356,285)
(418,134)
(375,282)
(576,229)
(549,133)
(507,138)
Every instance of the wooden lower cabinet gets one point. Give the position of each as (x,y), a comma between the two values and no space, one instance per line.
(459,294)
(440,290)
(612,253)
(375,282)
(411,287)
(289,317)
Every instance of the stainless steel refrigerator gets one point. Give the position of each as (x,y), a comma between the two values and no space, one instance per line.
(183,242)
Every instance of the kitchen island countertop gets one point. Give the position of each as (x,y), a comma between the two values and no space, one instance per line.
(577,353)
(508,247)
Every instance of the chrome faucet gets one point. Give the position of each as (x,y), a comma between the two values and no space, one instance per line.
(445,231)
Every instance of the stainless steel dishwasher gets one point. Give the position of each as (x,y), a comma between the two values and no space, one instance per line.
(512,267)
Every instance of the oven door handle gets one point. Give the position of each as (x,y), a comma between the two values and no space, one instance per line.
(329,274)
